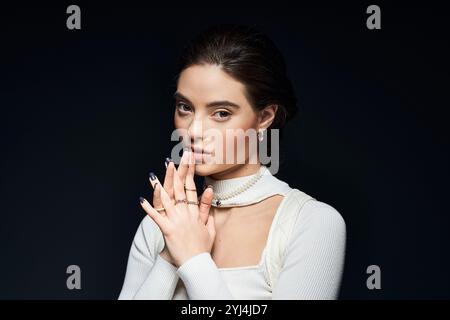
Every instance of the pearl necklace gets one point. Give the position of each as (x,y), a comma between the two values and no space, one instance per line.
(218,198)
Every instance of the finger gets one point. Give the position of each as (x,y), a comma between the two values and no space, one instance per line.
(167,202)
(160,220)
(168,179)
(205,204)
(191,193)
(183,167)
(153,179)
(157,204)
(178,189)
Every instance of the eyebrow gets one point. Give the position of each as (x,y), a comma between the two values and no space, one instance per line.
(221,103)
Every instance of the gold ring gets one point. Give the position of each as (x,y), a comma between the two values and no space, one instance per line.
(192,202)
(180,201)
(160,209)
(188,189)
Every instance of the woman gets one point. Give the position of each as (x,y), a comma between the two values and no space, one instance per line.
(249,235)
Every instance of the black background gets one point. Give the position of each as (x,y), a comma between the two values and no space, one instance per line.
(86,114)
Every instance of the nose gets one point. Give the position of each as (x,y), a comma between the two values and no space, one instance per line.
(195,131)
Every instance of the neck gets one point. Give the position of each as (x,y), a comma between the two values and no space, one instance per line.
(237,171)
(245,185)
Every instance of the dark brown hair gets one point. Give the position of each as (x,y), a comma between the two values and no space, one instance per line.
(250,57)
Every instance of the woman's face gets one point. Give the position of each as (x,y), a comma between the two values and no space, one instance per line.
(209,104)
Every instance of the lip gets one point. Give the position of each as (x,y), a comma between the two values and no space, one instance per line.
(199,150)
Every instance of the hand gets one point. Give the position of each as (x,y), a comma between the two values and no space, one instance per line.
(182,172)
(182,224)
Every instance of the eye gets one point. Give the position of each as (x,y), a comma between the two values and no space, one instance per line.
(221,115)
(183,108)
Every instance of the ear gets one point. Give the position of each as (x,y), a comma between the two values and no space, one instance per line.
(266,116)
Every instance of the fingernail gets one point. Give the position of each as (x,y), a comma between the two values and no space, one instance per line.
(210,186)
(152,176)
(168,160)
(141,200)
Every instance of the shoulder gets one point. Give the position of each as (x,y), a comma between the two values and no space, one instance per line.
(315,215)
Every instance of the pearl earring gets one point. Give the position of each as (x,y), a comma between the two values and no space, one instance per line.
(261,135)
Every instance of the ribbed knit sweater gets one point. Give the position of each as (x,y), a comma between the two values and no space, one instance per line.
(312,266)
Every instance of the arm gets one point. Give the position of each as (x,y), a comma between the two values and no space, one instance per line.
(315,255)
(313,263)
(203,280)
(148,275)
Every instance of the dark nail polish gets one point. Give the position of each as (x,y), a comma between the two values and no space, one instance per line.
(141,200)
(152,176)
(168,160)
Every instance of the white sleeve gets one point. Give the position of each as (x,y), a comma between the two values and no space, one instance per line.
(313,264)
(315,255)
(202,279)
(148,275)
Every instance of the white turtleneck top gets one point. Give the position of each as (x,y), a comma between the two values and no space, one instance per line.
(311,267)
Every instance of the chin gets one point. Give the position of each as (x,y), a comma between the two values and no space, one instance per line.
(206,169)
(210,169)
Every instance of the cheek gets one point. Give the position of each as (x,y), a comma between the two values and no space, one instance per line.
(179,122)
(236,140)
(238,125)
(181,128)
